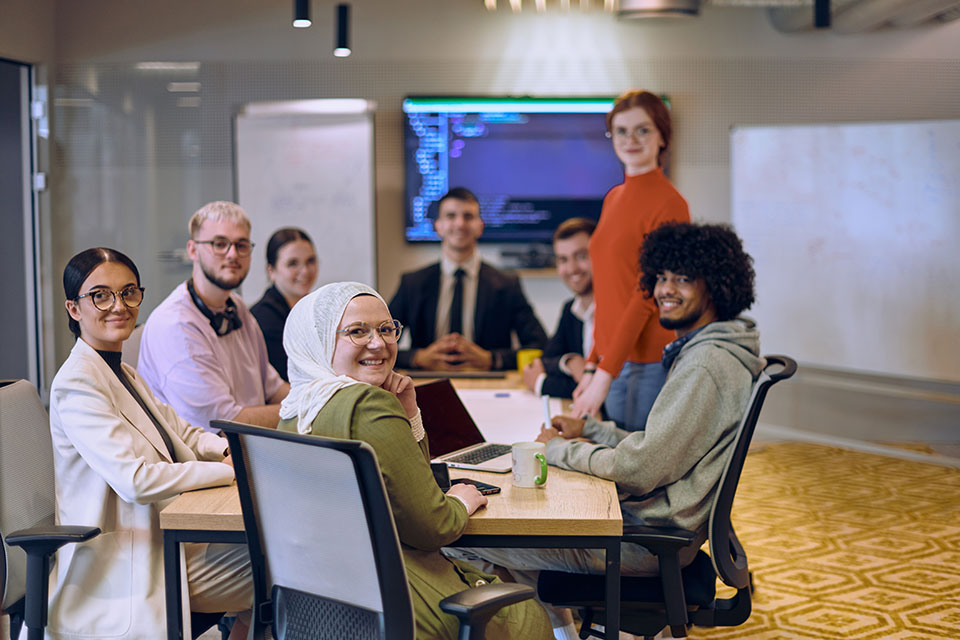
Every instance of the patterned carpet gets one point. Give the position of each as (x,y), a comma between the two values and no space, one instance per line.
(845,544)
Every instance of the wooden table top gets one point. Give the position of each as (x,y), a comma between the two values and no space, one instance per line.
(570,503)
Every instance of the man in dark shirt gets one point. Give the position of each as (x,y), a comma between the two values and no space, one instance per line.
(560,369)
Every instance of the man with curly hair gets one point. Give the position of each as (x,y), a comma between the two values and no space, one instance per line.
(701,280)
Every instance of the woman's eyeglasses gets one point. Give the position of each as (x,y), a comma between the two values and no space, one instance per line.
(104,299)
(361,333)
(621,134)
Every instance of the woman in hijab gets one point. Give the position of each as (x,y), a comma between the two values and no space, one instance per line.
(341,345)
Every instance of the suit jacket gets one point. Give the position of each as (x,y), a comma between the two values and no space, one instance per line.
(501,309)
(567,339)
(113,471)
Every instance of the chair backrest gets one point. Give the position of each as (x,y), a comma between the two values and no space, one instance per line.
(27,494)
(323,544)
(131,346)
(726,552)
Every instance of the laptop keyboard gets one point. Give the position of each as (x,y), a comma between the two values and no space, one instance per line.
(481,454)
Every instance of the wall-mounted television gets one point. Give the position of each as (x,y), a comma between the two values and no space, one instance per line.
(532,162)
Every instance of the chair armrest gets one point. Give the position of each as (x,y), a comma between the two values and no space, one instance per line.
(50,538)
(659,539)
(40,543)
(485,600)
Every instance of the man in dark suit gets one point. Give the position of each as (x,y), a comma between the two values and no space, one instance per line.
(461,312)
(560,369)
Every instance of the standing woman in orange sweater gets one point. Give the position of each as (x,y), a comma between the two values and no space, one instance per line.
(624,371)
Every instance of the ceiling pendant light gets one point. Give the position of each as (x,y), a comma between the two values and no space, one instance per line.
(342,48)
(301,14)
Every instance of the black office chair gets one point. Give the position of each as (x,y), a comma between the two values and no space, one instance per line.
(323,546)
(679,598)
(27,511)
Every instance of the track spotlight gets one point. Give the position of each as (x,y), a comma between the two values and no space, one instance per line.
(301,14)
(342,49)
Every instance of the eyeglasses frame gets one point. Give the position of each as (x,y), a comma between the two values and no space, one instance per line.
(395,323)
(113,300)
(630,135)
(232,243)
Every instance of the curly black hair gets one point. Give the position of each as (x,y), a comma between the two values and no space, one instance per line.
(709,251)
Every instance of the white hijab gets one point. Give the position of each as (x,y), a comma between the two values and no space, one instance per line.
(309,338)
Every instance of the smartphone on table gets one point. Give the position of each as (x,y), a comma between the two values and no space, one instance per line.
(442,475)
(483,487)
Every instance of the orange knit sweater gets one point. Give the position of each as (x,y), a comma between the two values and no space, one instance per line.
(626,324)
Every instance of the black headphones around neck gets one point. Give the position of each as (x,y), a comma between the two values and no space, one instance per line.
(223,322)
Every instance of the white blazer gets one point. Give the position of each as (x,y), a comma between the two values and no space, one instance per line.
(113,471)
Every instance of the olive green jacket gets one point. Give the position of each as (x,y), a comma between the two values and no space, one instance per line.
(425,518)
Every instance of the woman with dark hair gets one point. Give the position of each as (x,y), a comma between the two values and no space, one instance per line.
(120,456)
(292,268)
(623,373)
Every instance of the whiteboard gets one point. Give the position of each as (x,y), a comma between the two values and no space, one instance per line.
(855,232)
(309,164)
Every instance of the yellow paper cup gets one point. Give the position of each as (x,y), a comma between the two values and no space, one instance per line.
(526,356)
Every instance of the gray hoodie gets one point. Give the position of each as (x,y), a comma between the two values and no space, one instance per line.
(671,470)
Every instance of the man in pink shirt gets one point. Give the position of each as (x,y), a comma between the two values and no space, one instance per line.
(202,351)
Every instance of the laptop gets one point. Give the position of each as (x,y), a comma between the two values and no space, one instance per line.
(454,437)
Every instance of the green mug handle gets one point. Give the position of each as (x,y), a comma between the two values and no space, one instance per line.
(540,479)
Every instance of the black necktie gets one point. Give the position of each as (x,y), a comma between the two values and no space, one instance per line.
(456,306)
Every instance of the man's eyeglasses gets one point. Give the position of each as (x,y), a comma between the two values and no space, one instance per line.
(361,333)
(104,299)
(221,246)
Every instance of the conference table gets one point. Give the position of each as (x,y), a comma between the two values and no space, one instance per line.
(572,510)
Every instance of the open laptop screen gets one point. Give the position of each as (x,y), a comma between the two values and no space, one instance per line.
(447,422)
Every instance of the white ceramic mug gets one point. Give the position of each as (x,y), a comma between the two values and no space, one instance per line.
(529,464)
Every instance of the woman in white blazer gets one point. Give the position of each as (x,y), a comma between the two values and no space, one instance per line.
(120,456)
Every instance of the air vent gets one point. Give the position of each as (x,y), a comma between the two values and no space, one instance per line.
(634,9)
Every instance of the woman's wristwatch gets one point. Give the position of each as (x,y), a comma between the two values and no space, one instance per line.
(590,368)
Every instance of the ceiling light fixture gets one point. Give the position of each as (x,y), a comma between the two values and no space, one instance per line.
(183,87)
(342,49)
(301,14)
(167,66)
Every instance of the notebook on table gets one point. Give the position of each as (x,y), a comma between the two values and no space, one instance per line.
(454,437)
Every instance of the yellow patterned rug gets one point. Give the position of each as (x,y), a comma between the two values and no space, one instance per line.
(845,544)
